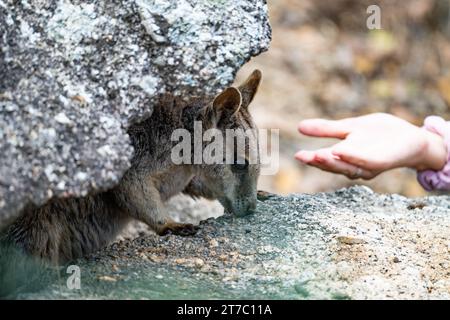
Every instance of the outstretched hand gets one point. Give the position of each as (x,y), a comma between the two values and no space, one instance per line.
(372,144)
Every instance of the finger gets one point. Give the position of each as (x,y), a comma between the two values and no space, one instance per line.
(305,156)
(347,154)
(325,160)
(359,157)
(326,128)
(319,155)
(344,170)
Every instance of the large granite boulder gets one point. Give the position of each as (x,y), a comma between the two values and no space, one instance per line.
(74,75)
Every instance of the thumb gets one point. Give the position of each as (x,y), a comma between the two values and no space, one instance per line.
(326,128)
(351,154)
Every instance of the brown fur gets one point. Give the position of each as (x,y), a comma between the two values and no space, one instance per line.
(65,229)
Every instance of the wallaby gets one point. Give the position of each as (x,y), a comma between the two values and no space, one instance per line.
(65,229)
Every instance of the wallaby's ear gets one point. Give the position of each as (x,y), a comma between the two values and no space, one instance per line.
(249,87)
(228,102)
(224,106)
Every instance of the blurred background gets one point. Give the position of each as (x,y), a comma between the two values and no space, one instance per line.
(325,62)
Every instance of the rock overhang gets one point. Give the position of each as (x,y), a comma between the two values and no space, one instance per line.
(75,75)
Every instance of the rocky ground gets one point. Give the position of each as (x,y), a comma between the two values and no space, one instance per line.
(350,244)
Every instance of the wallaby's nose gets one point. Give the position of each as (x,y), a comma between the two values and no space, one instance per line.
(245,209)
(251,207)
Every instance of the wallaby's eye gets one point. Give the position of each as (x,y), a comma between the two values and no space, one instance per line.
(241,166)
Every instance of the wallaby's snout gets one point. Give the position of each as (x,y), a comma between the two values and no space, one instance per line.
(247,207)
(239,207)
(251,207)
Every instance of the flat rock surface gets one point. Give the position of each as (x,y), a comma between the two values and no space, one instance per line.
(74,75)
(350,244)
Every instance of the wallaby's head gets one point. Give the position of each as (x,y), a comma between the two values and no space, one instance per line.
(233,181)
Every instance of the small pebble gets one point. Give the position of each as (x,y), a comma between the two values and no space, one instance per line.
(107,278)
(350,240)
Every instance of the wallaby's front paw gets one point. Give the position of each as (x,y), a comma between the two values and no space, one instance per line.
(180,229)
(264,195)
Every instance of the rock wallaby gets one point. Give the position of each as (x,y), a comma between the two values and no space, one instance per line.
(65,229)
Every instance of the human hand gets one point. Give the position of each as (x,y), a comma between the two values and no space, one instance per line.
(372,144)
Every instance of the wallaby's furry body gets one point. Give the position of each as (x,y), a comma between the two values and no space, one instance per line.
(66,229)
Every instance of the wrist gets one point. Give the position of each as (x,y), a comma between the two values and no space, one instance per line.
(434,153)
